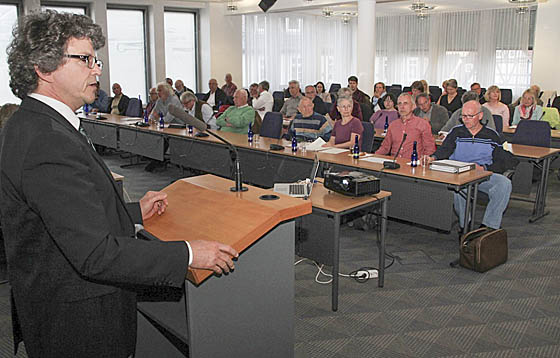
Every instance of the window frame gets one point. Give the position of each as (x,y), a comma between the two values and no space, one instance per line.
(84,6)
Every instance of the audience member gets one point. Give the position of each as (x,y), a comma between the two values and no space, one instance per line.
(426,87)
(417,130)
(389,114)
(198,109)
(152,100)
(237,118)
(379,91)
(229,87)
(528,108)
(215,97)
(252,93)
(476,88)
(169,81)
(455,118)
(451,100)
(319,105)
(493,96)
(347,128)
(180,88)
(416,87)
(166,97)
(119,103)
(265,101)
(444,88)
(322,92)
(308,124)
(537,91)
(6,111)
(289,109)
(357,95)
(101,102)
(436,115)
(475,143)
(334,114)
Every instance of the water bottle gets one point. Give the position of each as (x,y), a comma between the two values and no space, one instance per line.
(146,117)
(250,134)
(161,121)
(86,109)
(386,126)
(356,150)
(294,144)
(414,157)
(548,104)
(190,129)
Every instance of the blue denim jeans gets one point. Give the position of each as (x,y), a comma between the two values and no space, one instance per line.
(498,189)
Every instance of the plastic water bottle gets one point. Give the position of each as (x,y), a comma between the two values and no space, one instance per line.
(146,117)
(86,109)
(161,121)
(190,129)
(356,149)
(250,134)
(548,104)
(294,144)
(386,126)
(414,157)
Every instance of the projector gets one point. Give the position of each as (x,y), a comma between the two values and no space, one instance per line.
(352,183)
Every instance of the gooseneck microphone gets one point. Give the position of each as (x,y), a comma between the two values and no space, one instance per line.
(202,127)
(392,164)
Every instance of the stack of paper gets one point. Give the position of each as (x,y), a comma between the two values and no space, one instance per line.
(316,145)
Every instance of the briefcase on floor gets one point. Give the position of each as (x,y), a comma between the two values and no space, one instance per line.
(483,249)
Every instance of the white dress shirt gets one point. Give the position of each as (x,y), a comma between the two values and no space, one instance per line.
(211,99)
(207,115)
(265,101)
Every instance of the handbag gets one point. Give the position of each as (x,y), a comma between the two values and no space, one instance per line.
(483,249)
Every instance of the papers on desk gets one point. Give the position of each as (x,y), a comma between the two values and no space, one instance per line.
(334,150)
(507,146)
(376,160)
(513,127)
(316,145)
(130,119)
(451,166)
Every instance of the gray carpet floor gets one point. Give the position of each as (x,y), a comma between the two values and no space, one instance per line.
(427,308)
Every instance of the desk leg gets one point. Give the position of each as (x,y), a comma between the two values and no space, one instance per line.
(336,257)
(473,206)
(467,221)
(540,199)
(381,279)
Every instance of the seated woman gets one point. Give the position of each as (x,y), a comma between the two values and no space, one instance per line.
(322,92)
(493,96)
(390,113)
(528,108)
(451,100)
(347,128)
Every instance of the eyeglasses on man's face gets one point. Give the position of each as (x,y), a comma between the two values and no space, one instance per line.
(469,116)
(89,60)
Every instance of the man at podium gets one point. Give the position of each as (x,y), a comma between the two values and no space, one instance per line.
(73,256)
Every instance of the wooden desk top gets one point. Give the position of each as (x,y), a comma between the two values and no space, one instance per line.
(203,208)
(325,199)
(529,151)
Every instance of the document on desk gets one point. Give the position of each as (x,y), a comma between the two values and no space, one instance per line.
(334,150)
(130,119)
(316,145)
(375,160)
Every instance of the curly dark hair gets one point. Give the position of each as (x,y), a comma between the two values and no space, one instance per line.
(40,40)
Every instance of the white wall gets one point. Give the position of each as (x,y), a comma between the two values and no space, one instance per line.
(547,47)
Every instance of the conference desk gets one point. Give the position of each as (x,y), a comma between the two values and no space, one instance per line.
(413,190)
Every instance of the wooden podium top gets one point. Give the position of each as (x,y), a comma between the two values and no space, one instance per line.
(203,208)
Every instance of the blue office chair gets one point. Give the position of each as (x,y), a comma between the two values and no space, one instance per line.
(506,95)
(134,108)
(200,96)
(530,132)
(278,97)
(367,136)
(498,121)
(334,87)
(271,126)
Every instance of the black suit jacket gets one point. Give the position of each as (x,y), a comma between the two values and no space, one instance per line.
(220,97)
(71,249)
(123,104)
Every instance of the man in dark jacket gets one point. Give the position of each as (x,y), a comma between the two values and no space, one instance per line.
(119,103)
(215,97)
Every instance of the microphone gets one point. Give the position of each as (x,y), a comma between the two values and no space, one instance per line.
(203,127)
(393,164)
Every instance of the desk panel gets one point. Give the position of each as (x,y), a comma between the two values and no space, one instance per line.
(102,134)
(142,143)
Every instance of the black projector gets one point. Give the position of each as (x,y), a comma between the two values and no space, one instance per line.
(352,183)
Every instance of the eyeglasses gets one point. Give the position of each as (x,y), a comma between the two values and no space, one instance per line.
(470,116)
(89,60)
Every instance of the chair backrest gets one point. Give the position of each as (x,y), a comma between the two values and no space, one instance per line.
(531,132)
(399,87)
(134,108)
(435,91)
(506,95)
(277,104)
(200,96)
(556,103)
(367,137)
(367,111)
(271,126)
(499,122)
(395,91)
(328,106)
(407,89)
(257,123)
(334,87)
(278,95)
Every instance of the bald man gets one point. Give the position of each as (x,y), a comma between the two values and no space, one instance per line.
(229,88)
(215,97)
(237,118)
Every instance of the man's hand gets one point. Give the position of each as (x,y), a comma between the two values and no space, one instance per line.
(153,202)
(212,255)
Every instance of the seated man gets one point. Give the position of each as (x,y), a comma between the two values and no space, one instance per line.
(101,102)
(198,109)
(119,103)
(473,142)
(357,95)
(152,100)
(264,101)
(455,119)
(319,104)
(253,93)
(166,98)
(237,118)
(229,87)
(432,112)
(215,97)
(476,88)
(180,88)
(334,114)
(289,109)
(309,125)
(417,130)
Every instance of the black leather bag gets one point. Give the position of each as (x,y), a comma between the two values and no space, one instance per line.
(483,249)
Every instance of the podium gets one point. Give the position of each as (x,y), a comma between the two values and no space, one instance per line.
(246,313)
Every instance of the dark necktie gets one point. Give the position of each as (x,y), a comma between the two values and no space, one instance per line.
(83,132)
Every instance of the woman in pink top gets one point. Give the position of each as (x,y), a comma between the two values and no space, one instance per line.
(346,129)
(493,97)
(390,112)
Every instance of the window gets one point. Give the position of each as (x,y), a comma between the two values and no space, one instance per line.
(180,47)
(127,50)
(70,9)
(8,18)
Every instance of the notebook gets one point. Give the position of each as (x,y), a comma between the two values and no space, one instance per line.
(300,189)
